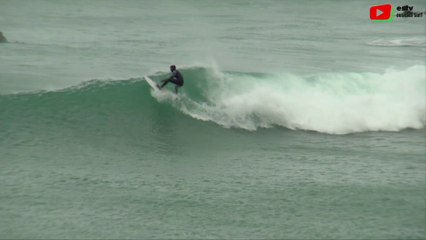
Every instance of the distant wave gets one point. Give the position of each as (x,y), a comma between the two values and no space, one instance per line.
(333,103)
(401,42)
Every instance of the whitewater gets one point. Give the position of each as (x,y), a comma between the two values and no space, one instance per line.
(335,103)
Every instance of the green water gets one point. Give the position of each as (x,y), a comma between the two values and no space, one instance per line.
(81,164)
(297,120)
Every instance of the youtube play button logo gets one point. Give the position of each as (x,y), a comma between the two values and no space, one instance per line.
(381,12)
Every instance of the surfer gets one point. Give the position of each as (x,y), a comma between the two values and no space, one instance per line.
(175,78)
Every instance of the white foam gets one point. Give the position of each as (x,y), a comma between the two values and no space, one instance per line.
(335,103)
(400,42)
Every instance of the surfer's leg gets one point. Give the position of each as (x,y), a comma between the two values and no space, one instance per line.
(176,89)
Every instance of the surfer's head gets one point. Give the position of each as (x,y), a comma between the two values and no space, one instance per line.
(172,68)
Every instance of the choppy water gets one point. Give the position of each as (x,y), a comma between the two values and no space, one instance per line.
(298,120)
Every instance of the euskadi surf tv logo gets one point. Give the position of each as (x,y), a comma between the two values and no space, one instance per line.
(385,12)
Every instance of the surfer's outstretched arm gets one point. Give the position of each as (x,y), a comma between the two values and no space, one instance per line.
(164,82)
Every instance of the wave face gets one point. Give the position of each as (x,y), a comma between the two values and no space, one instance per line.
(333,103)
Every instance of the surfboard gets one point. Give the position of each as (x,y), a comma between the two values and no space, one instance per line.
(152,83)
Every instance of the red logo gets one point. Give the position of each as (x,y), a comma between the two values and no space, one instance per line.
(381,12)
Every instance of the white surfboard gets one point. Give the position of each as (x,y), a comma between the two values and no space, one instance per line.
(152,83)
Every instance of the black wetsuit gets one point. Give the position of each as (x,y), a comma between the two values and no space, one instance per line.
(176,78)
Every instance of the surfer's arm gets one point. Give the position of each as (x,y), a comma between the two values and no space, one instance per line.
(173,75)
(168,79)
(164,82)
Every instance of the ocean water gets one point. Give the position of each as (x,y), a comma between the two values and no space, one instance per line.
(298,120)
